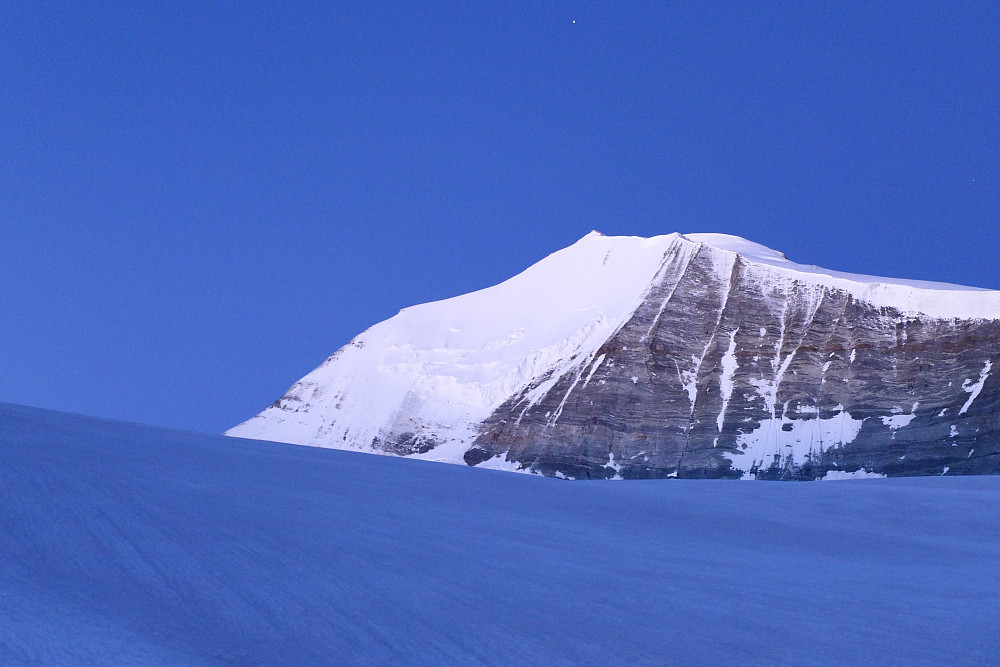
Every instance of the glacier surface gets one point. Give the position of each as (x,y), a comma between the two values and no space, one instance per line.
(124,544)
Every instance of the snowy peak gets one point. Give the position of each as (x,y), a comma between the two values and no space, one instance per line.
(435,370)
(579,350)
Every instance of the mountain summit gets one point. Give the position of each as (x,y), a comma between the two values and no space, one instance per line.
(684,355)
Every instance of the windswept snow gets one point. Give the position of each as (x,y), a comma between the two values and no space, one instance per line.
(127,545)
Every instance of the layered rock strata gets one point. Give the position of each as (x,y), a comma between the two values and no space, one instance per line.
(723,359)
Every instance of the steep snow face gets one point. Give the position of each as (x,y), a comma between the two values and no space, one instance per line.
(434,371)
(422,383)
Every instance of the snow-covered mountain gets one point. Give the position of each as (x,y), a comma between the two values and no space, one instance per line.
(678,355)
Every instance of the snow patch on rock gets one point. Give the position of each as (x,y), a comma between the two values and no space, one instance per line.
(500,462)
(729,365)
(974,388)
(792,440)
(861,473)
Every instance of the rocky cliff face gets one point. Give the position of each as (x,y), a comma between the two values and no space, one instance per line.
(694,356)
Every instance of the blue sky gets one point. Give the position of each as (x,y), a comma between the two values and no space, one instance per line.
(199,204)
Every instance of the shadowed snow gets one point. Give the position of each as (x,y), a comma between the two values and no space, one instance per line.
(123,544)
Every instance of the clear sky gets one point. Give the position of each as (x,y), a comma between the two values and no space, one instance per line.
(198,204)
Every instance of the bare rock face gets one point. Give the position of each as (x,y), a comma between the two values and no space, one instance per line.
(720,375)
(730,361)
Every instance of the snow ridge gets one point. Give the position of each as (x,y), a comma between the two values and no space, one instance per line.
(436,370)
(939,300)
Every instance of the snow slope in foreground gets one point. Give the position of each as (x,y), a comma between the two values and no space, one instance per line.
(123,544)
